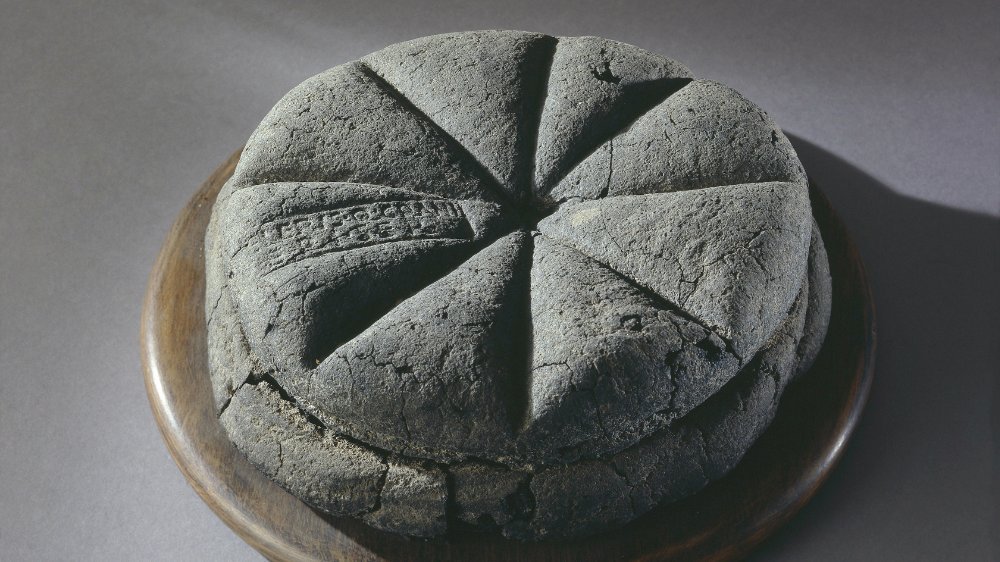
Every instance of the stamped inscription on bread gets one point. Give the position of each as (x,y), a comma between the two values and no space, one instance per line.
(305,236)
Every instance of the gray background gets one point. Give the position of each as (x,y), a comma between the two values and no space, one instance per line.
(111,114)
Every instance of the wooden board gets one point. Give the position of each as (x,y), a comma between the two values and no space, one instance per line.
(776,478)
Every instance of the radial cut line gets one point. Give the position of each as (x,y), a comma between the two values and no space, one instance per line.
(636,102)
(480,170)
(658,300)
(541,92)
(518,383)
(365,325)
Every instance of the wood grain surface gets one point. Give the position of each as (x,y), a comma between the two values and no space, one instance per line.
(776,478)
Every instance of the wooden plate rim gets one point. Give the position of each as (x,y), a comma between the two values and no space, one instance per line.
(248,504)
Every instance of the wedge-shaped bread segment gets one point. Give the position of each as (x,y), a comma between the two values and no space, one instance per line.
(344,125)
(482,88)
(608,354)
(596,88)
(312,264)
(704,135)
(732,257)
(674,461)
(440,370)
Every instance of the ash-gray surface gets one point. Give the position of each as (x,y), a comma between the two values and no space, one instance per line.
(525,283)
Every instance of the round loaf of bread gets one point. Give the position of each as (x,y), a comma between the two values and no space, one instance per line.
(529,284)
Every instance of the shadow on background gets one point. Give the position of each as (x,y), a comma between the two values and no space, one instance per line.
(926,431)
